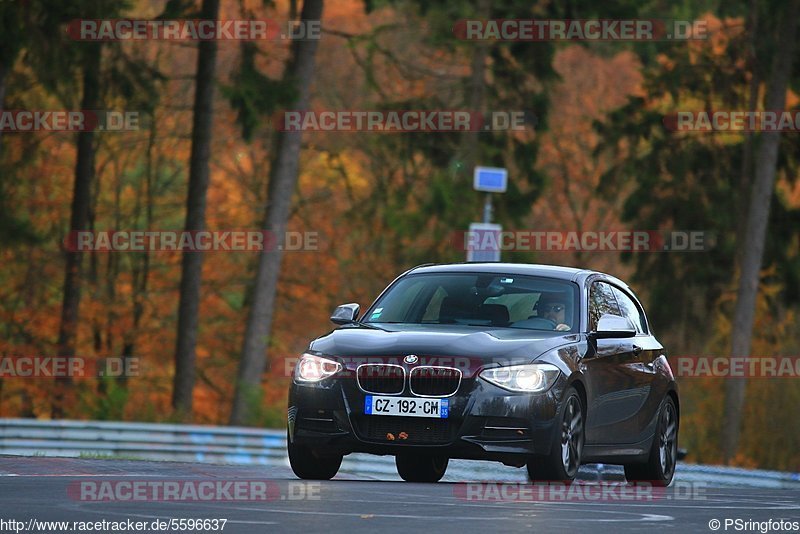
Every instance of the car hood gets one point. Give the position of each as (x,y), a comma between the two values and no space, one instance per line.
(504,345)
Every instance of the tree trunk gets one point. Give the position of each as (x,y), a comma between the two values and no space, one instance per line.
(469,143)
(195,220)
(282,184)
(81,198)
(4,68)
(745,176)
(140,271)
(752,247)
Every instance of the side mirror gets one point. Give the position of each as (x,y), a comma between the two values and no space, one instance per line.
(346,313)
(610,326)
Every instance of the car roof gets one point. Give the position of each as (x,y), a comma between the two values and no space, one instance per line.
(550,271)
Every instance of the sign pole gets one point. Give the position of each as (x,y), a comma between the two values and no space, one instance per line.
(487,208)
(484,237)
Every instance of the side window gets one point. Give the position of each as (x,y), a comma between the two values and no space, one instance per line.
(601,301)
(630,310)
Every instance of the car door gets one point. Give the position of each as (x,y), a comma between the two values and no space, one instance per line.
(649,351)
(613,375)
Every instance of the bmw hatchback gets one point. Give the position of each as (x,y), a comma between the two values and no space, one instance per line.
(529,365)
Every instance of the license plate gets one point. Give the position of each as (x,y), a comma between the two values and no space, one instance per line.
(407,406)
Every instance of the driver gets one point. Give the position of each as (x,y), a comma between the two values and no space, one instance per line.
(553,307)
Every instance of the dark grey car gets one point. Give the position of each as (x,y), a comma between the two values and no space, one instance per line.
(530,365)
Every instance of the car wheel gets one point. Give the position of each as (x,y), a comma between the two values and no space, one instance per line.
(565,454)
(421,468)
(309,466)
(660,466)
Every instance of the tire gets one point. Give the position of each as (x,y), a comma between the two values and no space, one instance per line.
(660,466)
(564,459)
(421,468)
(308,466)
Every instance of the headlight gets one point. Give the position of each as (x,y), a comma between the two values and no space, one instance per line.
(312,368)
(530,378)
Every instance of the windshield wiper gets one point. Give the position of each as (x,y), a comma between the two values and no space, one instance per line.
(370,326)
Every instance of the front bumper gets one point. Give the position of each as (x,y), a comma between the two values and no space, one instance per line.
(485,422)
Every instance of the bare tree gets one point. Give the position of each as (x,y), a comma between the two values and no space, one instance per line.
(81,199)
(282,184)
(752,247)
(192,264)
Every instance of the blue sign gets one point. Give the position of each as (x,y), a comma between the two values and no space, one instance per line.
(490,179)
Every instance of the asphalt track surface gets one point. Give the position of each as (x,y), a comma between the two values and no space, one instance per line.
(44,489)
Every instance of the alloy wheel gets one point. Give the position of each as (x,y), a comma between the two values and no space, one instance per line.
(571,436)
(667,439)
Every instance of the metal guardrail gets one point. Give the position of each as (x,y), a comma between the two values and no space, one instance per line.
(251,446)
(147,441)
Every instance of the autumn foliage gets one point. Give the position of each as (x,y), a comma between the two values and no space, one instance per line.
(378,205)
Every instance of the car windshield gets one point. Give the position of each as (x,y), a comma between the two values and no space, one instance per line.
(489,300)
